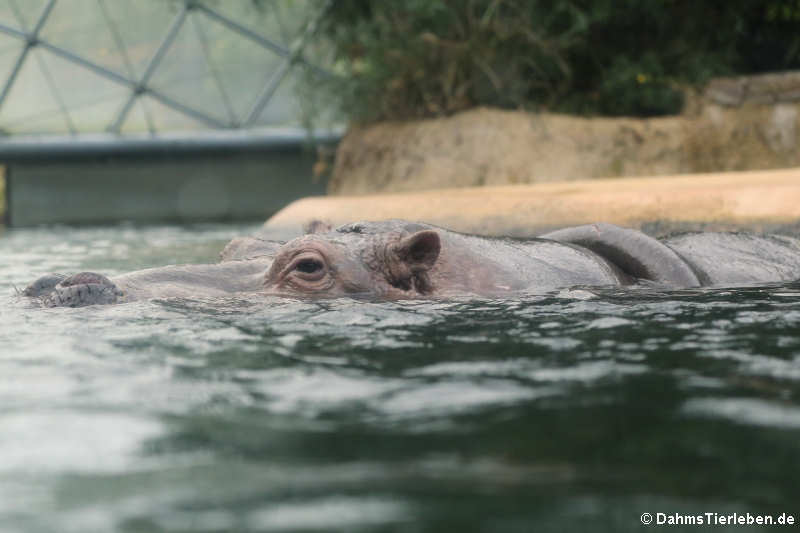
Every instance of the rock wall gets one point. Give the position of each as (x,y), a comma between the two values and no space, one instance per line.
(735,124)
(754,201)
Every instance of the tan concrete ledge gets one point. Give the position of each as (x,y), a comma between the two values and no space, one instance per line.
(754,201)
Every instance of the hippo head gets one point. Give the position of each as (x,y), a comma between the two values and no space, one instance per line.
(350,261)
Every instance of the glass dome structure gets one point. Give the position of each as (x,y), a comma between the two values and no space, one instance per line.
(139,66)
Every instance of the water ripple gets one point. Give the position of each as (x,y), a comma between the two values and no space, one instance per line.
(260,413)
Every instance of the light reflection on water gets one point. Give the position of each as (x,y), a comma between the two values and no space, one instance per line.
(571,411)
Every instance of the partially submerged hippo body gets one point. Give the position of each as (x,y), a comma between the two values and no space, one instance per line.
(399,259)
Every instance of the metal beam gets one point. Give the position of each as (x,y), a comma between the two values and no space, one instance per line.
(185,109)
(296,55)
(43,148)
(94,67)
(267,92)
(113,76)
(51,84)
(31,39)
(141,87)
(243,30)
(120,44)
(201,36)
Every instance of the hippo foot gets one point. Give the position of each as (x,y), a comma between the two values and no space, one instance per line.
(85,288)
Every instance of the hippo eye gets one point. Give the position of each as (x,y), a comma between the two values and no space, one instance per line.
(309,266)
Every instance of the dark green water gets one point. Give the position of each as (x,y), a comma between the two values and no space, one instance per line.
(573,411)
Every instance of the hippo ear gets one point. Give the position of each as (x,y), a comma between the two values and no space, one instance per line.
(316,226)
(420,250)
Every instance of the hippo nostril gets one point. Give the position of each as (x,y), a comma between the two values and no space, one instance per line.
(84,278)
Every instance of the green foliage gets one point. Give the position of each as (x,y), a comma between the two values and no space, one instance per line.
(420,58)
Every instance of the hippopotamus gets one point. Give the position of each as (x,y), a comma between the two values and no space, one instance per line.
(398,259)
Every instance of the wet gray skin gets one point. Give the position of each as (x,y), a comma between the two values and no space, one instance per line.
(399,259)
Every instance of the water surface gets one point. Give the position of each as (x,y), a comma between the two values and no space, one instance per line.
(577,410)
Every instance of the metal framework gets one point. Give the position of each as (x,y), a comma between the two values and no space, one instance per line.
(142,86)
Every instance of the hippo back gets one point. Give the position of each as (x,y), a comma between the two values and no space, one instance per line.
(635,253)
(736,258)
